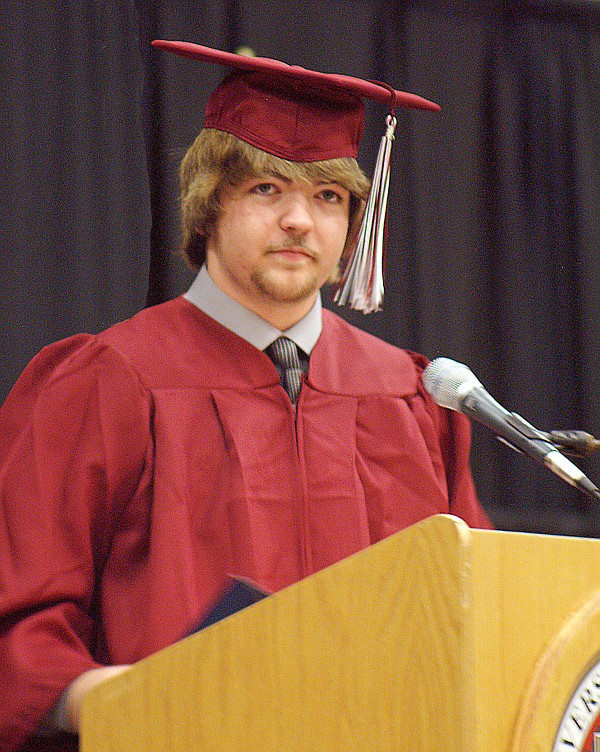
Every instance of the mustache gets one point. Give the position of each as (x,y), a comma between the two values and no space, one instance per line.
(293,243)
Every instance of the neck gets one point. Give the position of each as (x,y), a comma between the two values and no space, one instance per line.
(282,314)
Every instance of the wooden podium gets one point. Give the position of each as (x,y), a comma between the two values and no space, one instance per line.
(438,638)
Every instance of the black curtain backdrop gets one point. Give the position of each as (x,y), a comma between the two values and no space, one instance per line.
(494,225)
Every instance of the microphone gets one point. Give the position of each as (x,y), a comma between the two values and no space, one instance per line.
(455,386)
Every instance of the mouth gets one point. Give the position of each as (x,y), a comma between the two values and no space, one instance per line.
(293,253)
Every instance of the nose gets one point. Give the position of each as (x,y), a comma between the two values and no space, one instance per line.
(296,214)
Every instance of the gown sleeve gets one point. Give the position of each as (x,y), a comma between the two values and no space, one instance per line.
(74,442)
(454,436)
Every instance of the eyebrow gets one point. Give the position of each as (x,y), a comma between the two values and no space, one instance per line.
(264,177)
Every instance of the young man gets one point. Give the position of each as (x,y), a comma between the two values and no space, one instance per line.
(142,466)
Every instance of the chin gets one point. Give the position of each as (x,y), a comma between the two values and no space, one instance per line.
(287,287)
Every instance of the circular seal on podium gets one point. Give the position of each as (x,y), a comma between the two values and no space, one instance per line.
(561,709)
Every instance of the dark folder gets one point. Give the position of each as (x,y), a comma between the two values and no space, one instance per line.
(238,594)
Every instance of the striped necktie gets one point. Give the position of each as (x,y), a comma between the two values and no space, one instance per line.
(284,354)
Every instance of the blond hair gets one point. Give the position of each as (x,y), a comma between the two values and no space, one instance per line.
(217,160)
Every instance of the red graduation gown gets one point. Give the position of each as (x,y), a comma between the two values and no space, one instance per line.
(139,467)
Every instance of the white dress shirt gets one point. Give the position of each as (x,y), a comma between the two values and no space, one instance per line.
(206,296)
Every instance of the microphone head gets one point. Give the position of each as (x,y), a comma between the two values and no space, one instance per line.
(449,382)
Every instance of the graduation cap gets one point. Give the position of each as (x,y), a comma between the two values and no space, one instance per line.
(306,116)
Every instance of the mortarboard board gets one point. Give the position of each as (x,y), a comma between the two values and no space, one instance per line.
(304,116)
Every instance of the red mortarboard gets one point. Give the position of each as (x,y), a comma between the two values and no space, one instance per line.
(289,111)
(306,116)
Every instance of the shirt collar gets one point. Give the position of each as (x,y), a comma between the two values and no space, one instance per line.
(210,299)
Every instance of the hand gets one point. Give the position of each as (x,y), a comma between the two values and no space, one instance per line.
(66,715)
(78,689)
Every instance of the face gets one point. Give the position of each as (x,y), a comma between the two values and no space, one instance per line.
(276,243)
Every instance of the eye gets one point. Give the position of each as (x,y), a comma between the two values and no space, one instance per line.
(333,195)
(264,189)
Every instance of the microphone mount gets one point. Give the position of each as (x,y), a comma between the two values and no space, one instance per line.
(574,443)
